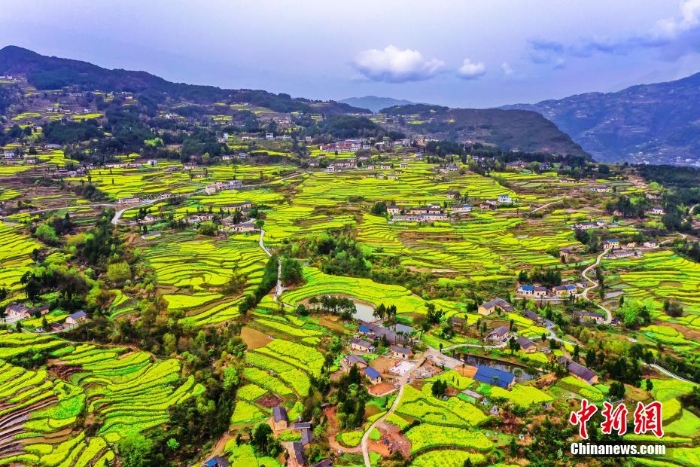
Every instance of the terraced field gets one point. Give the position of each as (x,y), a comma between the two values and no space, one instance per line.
(192,272)
(14,256)
(44,413)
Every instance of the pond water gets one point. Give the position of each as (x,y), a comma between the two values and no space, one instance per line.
(364,312)
(521,373)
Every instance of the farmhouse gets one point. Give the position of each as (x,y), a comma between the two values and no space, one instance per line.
(526,345)
(617,254)
(128,200)
(494,377)
(601,189)
(217,461)
(657,211)
(526,290)
(589,316)
(533,316)
(564,290)
(77,317)
(505,199)
(280,420)
(373,375)
(611,243)
(243,227)
(393,209)
(650,244)
(453,194)
(17,311)
(578,370)
(403,165)
(298,458)
(400,352)
(498,335)
(351,360)
(361,345)
(239,206)
(585,226)
(489,307)
(461,208)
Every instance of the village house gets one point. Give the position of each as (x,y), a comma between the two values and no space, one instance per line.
(537,319)
(298,459)
(461,208)
(349,361)
(200,218)
(526,345)
(403,165)
(217,461)
(489,307)
(361,345)
(578,370)
(393,209)
(76,318)
(454,194)
(498,335)
(564,290)
(385,166)
(601,189)
(397,351)
(611,243)
(618,254)
(392,177)
(585,226)
(650,244)
(239,206)
(373,375)
(16,311)
(280,420)
(128,200)
(588,316)
(243,227)
(494,377)
(657,211)
(505,199)
(653,196)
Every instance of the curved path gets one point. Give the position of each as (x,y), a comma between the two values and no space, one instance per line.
(365,437)
(594,284)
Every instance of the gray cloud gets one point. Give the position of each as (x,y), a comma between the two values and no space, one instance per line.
(671,38)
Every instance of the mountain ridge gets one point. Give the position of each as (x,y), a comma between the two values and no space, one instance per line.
(644,123)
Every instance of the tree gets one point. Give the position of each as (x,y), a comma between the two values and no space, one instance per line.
(649,385)
(119,272)
(379,209)
(617,391)
(173,444)
(46,234)
(135,451)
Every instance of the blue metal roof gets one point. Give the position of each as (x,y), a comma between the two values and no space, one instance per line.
(527,287)
(494,377)
(364,329)
(371,373)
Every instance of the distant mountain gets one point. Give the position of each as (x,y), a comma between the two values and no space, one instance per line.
(46,73)
(517,130)
(655,123)
(374,103)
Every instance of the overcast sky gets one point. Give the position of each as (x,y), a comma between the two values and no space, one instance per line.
(461,53)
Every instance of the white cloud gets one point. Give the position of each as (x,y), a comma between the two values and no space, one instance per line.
(506,68)
(471,70)
(393,65)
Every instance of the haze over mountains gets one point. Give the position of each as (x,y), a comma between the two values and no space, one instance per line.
(655,123)
(374,103)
